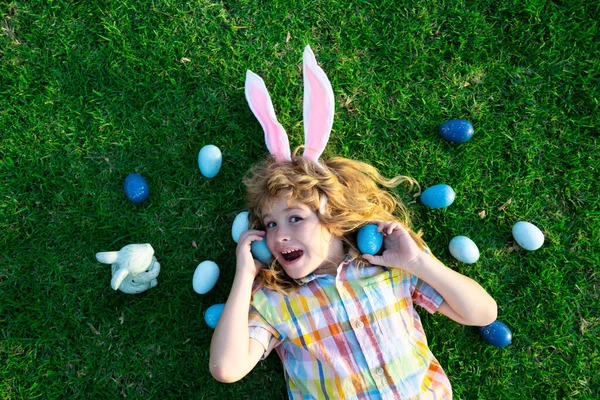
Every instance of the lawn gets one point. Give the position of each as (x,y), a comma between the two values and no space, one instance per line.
(91,91)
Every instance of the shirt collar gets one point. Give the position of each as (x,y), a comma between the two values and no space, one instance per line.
(312,276)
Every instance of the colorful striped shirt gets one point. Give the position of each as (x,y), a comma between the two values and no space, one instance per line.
(352,336)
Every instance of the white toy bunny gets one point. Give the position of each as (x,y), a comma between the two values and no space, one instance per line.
(134,267)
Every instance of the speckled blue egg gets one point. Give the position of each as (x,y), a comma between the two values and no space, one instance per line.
(369,240)
(464,249)
(209,160)
(212,314)
(136,188)
(261,252)
(438,196)
(527,235)
(205,277)
(497,334)
(240,224)
(456,130)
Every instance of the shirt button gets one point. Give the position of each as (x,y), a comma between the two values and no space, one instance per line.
(359,325)
(380,371)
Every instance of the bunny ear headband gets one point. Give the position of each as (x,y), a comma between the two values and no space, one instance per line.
(318,111)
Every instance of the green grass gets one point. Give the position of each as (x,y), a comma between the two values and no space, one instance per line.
(92,91)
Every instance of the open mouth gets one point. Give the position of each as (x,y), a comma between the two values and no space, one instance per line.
(291,255)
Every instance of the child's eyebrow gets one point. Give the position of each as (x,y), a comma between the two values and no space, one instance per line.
(284,210)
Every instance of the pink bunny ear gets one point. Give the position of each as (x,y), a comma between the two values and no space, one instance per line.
(318,106)
(262,107)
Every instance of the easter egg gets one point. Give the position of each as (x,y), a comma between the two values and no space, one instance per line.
(209,160)
(240,224)
(527,235)
(136,188)
(212,314)
(369,240)
(456,130)
(205,277)
(497,334)
(260,251)
(438,196)
(464,249)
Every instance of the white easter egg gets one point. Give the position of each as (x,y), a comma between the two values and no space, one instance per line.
(527,235)
(205,277)
(240,224)
(464,249)
(209,160)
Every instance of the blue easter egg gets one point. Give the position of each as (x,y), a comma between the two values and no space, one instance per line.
(456,130)
(260,251)
(497,334)
(464,249)
(369,240)
(438,196)
(240,224)
(136,188)
(209,160)
(527,235)
(205,277)
(212,315)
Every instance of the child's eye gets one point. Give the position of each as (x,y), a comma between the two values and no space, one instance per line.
(295,219)
(270,225)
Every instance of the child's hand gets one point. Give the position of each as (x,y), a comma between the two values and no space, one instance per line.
(244,260)
(400,250)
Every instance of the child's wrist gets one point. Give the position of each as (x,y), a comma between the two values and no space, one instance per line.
(417,263)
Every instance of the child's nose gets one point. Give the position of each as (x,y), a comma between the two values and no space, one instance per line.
(282,234)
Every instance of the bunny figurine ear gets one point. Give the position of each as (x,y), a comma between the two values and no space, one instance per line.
(260,103)
(318,106)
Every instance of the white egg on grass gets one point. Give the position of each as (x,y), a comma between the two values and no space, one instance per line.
(205,277)
(527,235)
(240,224)
(464,249)
(209,160)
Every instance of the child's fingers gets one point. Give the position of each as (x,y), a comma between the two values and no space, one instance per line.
(387,227)
(250,236)
(374,260)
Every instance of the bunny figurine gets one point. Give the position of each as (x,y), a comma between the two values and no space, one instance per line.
(134,267)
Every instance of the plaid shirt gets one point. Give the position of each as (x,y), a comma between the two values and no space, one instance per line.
(353,336)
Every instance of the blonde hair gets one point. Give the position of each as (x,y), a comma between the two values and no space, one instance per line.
(353,199)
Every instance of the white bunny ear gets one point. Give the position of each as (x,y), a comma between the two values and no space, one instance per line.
(318,106)
(260,103)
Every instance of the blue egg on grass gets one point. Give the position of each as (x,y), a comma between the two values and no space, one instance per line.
(438,196)
(212,314)
(209,160)
(527,235)
(497,334)
(136,188)
(456,130)
(205,277)
(464,249)
(369,240)
(260,251)
(240,224)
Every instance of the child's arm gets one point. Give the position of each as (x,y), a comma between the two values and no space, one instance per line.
(465,301)
(232,352)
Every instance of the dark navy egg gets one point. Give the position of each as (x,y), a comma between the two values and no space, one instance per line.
(369,240)
(438,196)
(136,188)
(456,130)
(497,334)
